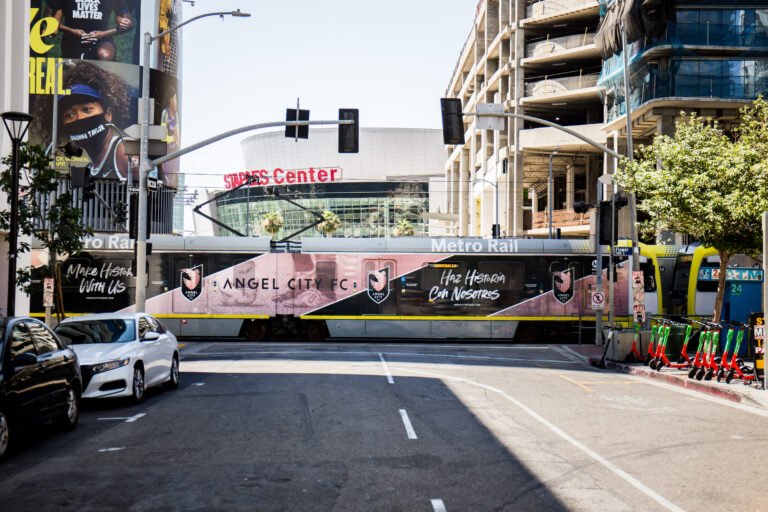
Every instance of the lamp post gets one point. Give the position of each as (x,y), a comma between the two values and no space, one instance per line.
(551,189)
(55,113)
(144,168)
(16,123)
(497,231)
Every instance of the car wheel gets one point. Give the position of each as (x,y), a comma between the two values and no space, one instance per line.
(68,419)
(138,385)
(173,380)
(5,434)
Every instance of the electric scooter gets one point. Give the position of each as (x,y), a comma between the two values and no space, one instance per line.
(724,365)
(634,354)
(661,344)
(737,368)
(705,339)
(709,366)
(655,328)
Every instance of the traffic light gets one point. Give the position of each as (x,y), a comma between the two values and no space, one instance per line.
(89,187)
(581,207)
(453,121)
(297,132)
(605,220)
(133,224)
(496,231)
(349,134)
(71,150)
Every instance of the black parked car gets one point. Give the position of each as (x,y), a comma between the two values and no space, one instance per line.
(39,378)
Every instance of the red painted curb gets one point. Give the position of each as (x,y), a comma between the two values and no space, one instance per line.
(669,378)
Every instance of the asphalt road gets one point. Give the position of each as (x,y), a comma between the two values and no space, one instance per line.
(359,427)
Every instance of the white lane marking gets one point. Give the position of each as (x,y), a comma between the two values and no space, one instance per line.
(127,419)
(408,426)
(115,449)
(570,354)
(634,482)
(438,505)
(136,417)
(198,384)
(386,369)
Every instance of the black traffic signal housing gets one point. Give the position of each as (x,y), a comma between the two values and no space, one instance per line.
(89,187)
(81,177)
(133,218)
(70,150)
(496,231)
(581,207)
(297,132)
(605,220)
(349,134)
(453,121)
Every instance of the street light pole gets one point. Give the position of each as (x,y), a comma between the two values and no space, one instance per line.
(16,123)
(144,168)
(55,113)
(496,190)
(551,189)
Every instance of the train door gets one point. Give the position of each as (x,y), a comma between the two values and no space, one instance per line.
(378,277)
(650,286)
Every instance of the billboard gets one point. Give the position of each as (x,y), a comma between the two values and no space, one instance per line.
(84,58)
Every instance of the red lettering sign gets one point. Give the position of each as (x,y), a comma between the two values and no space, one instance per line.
(280,176)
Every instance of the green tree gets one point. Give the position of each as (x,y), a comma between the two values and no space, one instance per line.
(58,226)
(704,183)
(330,224)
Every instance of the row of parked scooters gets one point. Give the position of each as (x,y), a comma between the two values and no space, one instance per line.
(706,363)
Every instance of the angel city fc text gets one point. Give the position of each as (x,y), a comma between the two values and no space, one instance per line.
(270,283)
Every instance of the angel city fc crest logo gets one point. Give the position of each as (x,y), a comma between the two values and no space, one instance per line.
(562,286)
(192,282)
(378,285)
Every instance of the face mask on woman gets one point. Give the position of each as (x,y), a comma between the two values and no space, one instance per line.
(89,133)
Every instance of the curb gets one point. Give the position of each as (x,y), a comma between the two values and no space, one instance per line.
(673,379)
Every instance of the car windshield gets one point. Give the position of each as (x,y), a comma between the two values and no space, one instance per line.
(110,330)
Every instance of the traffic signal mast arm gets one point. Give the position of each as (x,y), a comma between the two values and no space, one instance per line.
(224,135)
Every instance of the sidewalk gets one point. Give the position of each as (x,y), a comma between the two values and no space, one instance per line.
(736,391)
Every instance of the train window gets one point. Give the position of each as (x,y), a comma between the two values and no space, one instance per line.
(708,286)
(649,274)
(682,273)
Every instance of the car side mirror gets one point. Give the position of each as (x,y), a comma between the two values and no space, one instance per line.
(151,336)
(25,359)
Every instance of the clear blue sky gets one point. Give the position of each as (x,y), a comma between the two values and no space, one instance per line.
(392,60)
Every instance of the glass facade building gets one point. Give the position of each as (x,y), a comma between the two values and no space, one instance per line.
(367,209)
(711,51)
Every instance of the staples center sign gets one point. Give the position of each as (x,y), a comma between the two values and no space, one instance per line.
(280,176)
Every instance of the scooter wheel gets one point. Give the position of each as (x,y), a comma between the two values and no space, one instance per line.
(720,374)
(700,373)
(692,373)
(710,373)
(652,364)
(647,359)
(729,376)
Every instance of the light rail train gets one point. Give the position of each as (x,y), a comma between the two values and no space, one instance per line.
(526,290)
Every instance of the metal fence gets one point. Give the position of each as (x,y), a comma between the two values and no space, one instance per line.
(110,215)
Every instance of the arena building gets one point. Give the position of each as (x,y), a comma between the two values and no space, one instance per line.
(396,178)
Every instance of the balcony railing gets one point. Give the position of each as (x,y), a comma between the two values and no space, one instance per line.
(560,219)
(558,44)
(560,85)
(551,7)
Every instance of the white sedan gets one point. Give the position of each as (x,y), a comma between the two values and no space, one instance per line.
(121,354)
